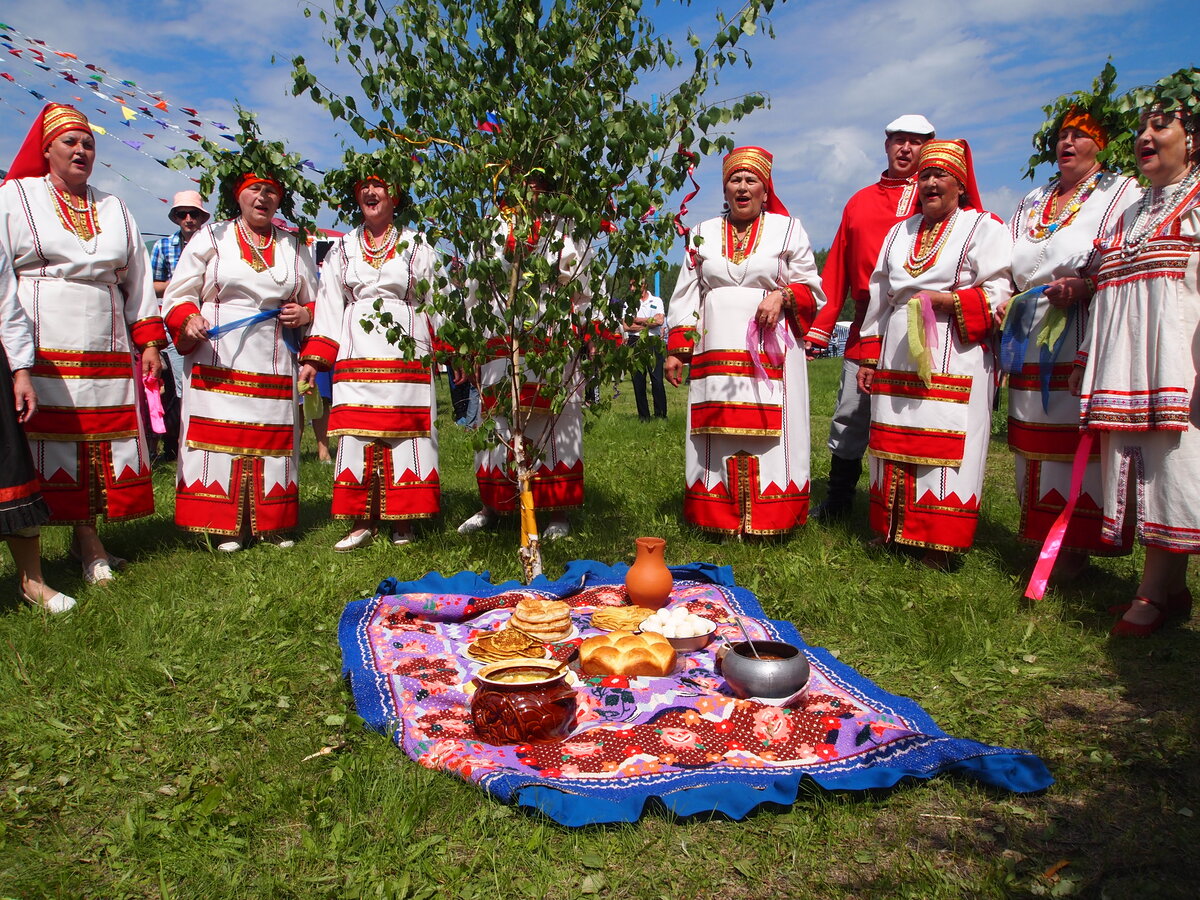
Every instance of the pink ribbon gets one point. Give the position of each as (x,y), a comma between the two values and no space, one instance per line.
(929,320)
(1054,538)
(774,343)
(151,384)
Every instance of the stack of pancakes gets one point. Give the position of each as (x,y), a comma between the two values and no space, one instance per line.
(545,620)
(506,643)
(619,618)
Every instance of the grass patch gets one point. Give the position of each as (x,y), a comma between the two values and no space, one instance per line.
(153,742)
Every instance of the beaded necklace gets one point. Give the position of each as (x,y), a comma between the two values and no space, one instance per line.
(927,244)
(1039,228)
(258,253)
(376,256)
(1153,209)
(81,221)
(743,245)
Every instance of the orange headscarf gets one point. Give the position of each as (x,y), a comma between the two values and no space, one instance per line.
(55,120)
(1083,121)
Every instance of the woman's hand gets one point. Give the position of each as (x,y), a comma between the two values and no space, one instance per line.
(673,369)
(307,375)
(294,315)
(1075,381)
(194,331)
(941,301)
(24,396)
(998,314)
(1066,292)
(866,377)
(769,310)
(151,362)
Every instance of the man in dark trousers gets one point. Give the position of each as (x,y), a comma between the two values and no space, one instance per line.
(866,220)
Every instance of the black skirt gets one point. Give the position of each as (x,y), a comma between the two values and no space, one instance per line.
(21,503)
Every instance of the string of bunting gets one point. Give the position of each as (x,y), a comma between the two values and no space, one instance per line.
(36,62)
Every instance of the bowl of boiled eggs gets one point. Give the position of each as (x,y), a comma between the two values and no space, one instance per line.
(682,629)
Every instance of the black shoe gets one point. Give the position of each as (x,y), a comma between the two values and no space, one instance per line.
(843,480)
(833,511)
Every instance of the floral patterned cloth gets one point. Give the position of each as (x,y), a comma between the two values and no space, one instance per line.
(683,739)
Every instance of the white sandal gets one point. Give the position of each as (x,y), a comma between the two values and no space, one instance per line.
(59,603)
(556,530)
(477,522)
(355,539)
(229,546)
(97,571)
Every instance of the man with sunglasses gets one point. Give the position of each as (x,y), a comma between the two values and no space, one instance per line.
(188,212)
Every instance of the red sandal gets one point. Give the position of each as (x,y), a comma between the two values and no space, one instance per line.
(1122,628)
(1178,606)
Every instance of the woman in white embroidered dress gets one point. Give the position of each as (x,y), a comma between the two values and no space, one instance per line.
(926,362)
(1137,371)
(557,481)
(746,295)
(383,404)
(22,509)
(239,453)
(1054,230)
(83,278)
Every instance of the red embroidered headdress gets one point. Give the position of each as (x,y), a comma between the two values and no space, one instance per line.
(758,161)
(54,120)
(953,157)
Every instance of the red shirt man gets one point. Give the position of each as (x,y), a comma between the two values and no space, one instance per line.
(866,220)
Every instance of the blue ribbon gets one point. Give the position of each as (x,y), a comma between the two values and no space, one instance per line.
(290,337)
(1049,355)
(1014,339)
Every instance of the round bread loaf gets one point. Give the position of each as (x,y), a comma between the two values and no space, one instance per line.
(628,654)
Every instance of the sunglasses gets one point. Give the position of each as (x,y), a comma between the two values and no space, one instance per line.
(189,214)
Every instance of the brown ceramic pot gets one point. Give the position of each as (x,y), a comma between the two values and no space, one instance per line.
(648,580)
(523,712)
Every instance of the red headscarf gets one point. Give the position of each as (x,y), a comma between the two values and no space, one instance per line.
(393,190)
(953,157)
(250,178)
(54,120)
(757,161)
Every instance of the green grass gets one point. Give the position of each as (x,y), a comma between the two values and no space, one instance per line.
(153,743)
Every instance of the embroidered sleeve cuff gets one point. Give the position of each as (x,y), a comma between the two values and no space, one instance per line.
(972,315)
(178,317)
(806,305)
(1081,358)
(320,351)
(681,340)
(148,332)
(869,349)
(818,337)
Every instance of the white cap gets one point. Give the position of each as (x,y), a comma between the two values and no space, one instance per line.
(910,124)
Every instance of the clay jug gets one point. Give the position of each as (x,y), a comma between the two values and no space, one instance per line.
(649,581)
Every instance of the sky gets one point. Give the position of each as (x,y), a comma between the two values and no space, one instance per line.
(836,72)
